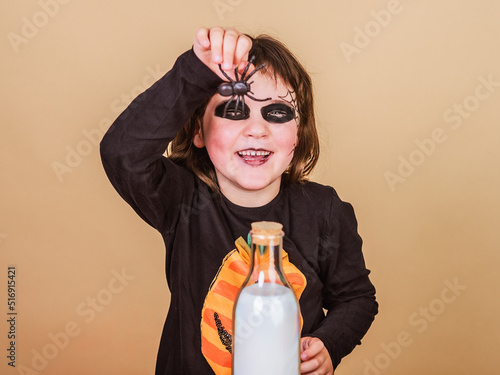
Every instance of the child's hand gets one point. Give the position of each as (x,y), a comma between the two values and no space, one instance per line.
(315,357)
(222,46)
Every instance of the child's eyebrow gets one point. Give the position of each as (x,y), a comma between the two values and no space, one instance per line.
(280,99)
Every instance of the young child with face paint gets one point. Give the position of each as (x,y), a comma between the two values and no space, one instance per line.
(230,164)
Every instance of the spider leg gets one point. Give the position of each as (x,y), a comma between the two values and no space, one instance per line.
(237,103)
(257,100)
(227,105)
(255,71)
(225,74)
(252,59)
(243,105)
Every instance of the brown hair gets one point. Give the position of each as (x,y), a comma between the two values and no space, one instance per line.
(281,63)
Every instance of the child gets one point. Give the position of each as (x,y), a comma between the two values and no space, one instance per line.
(235,160)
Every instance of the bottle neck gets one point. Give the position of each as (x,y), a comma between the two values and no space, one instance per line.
(266,260)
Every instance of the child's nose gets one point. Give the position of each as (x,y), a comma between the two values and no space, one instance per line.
(256,127)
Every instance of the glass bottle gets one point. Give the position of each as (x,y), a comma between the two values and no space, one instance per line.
(266,318)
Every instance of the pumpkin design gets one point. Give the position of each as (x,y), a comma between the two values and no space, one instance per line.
(217,312)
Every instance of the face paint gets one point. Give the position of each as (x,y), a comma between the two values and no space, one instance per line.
(277,113)
(232,110)
(291,99)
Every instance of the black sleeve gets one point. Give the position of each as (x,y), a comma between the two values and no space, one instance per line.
(348,294)
(132,149)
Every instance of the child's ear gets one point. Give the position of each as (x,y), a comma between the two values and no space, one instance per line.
(198,135)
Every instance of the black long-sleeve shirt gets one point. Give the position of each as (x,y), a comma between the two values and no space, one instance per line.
(199,227)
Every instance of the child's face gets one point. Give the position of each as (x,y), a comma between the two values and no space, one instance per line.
(251,154)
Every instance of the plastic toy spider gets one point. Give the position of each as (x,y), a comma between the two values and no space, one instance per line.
(239,88)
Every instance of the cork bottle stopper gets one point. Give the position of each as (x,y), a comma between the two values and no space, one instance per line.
(263,229)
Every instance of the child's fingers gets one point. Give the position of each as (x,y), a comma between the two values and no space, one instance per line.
(242,48)
(229,48)
(315,357)
(311,347)
(201,39)
(216,35)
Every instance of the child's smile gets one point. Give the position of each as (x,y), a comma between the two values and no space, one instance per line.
(251,146)
(254,157)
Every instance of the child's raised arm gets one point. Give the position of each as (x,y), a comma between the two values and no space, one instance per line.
(132,149)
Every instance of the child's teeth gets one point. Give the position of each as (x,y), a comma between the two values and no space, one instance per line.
(254,153)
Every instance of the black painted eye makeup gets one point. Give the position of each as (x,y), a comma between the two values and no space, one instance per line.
(277,113)
(230,111)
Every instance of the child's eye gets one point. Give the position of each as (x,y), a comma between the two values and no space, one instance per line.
(231,112)
(234,112)
(278,113)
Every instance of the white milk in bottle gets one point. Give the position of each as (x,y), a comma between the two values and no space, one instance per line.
(266,314)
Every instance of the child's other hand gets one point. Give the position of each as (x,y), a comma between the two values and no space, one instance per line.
(315,357)
(224,46)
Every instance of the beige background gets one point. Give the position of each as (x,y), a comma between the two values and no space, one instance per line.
(418,76)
